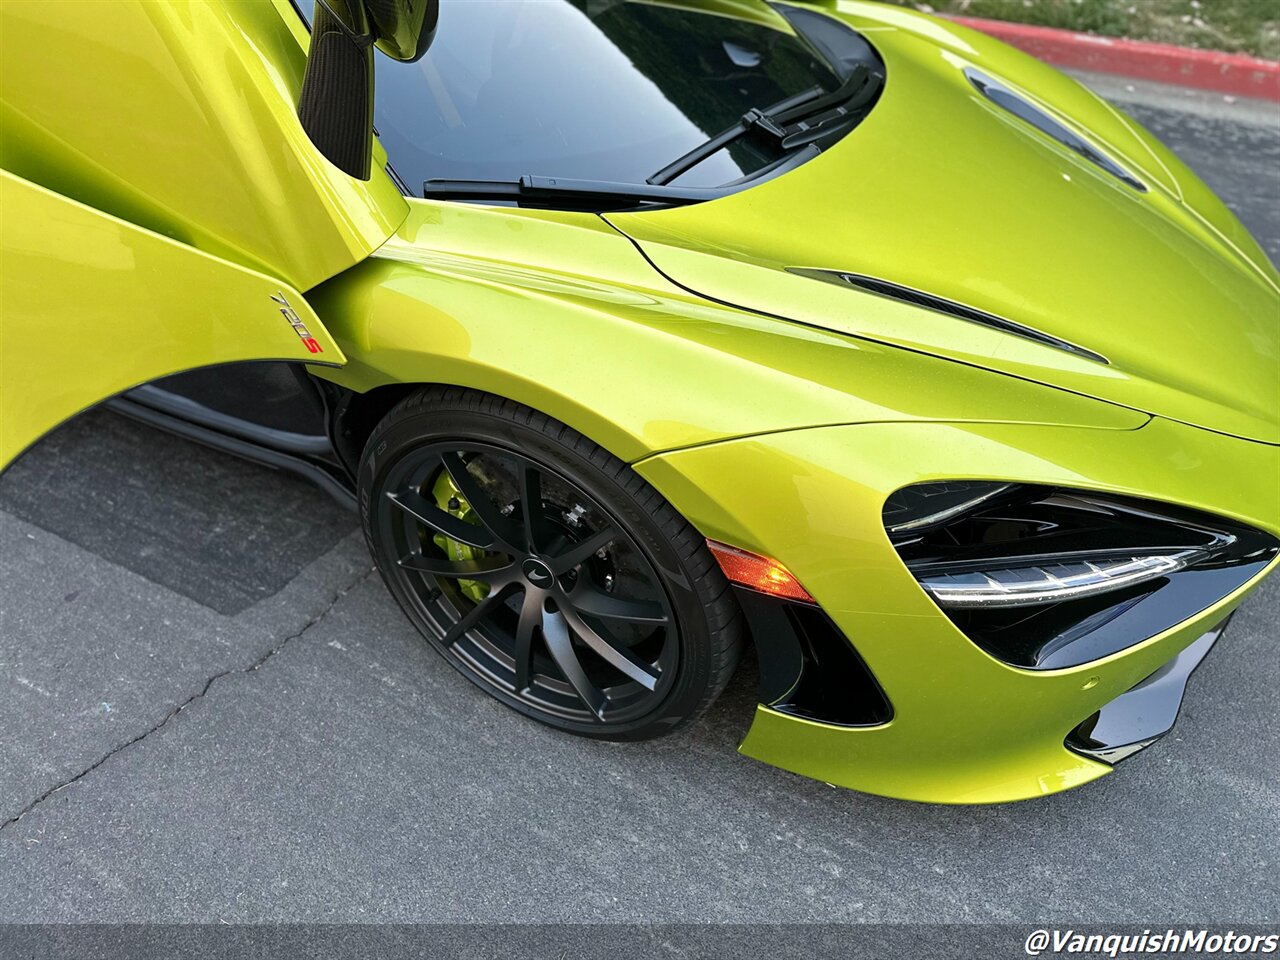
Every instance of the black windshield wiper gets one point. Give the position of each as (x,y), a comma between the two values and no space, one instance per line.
(773,121)
(591,194)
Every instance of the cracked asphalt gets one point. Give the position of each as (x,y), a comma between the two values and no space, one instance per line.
(211,710)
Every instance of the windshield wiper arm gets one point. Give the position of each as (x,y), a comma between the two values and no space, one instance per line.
(771,120)
(752,118)
(595,194)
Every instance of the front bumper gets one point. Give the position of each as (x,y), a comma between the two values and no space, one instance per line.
(965,728)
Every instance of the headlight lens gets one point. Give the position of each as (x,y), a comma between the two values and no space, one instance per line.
(928,504)
(1044,577)
(1026,586)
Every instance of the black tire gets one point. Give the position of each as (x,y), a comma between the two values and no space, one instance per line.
(632,642)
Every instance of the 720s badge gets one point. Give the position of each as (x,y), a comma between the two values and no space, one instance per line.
(295,321)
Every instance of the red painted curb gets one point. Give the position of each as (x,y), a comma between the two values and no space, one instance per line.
(1207,69)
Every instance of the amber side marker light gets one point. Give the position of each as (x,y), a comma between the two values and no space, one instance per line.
(757,572)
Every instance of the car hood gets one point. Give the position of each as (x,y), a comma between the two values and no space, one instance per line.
(1161,300)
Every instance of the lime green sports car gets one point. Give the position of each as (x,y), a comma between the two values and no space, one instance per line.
(644,333)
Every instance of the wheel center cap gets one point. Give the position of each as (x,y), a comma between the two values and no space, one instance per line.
(537,573)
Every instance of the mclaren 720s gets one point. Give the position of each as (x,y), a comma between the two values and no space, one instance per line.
(642,332)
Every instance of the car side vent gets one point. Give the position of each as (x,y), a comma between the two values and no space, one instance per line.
(1028,112)
(928,301)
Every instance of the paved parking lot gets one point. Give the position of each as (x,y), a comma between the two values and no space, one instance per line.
(210,709)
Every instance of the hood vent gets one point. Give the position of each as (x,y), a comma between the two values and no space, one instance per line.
(1028,112)
(928,301)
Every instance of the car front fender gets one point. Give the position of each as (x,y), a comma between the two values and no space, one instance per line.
(560,312)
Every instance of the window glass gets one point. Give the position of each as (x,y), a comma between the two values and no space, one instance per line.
(594,89)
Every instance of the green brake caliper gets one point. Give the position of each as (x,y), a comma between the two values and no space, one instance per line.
(450,499)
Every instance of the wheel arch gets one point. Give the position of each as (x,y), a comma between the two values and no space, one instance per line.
(354,415)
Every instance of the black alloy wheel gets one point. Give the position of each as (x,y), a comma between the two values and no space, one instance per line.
(522,552)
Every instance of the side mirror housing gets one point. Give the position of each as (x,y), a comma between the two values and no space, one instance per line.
(336,104)
(404,28)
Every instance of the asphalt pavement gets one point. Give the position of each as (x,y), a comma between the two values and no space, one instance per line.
(211,710)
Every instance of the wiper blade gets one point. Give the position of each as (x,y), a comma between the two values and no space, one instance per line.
(593,194)
(772,121)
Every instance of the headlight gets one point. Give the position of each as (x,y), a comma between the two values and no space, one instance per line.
(1028,586)
(1044,577)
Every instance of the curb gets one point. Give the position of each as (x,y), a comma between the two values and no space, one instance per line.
(1230,73)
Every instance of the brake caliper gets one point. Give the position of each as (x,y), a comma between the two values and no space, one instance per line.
(450,499)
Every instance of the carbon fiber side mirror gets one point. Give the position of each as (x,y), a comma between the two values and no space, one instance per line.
(336,104)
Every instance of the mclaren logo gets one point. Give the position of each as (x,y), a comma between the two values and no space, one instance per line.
(537,573)
(295,321)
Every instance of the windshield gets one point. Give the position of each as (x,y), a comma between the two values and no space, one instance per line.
(592,89)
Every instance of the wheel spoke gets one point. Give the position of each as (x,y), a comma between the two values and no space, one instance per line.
(492,570)
(475,615)
(531,504)
(530,620)
(558,542)
(426,512)
(556,632)
(525,539)
(594,602)
(580,551)
(620,657)
(503,531)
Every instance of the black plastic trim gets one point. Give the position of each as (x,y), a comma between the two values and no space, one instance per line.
(1146,712)
(808,668)
(1032,115)
(185,408)
(918,298)
(332,481)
